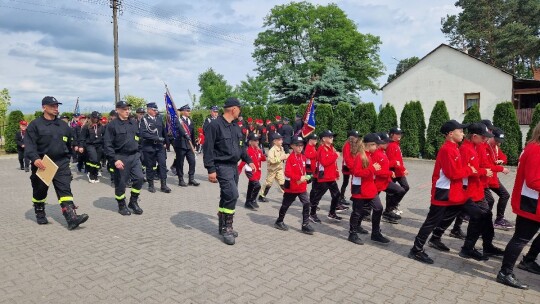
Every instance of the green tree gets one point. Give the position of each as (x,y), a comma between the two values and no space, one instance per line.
(305,38)
(38,114)
(135,102)
(5,102)
(402,67)
(288,111)
(254,91)
(323,117)
(272,111)
(434,138)
(11,129)
(535,120)
(247,112)
(258,112)
(214,89)
(505,118)
(472,115)
(387,118)
(341,123)
(364,119)
(421,125)
(410,146)
(198,117)
(68,114)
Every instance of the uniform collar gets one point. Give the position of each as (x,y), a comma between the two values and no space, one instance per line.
(55,121)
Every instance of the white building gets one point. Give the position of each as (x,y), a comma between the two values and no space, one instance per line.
(461,80)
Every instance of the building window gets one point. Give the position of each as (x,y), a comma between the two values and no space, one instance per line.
(471,99)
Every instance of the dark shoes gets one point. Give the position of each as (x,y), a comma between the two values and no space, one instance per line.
(437,244)
(458,234)
(182,183)
(122,208)
(193,182)
(341,208)
(472,254)
(314,218)
(379,238)
(493,251)
(281,226)
(530,266)
(510,280)
(250,206)
(353,237)
(362,230)
(335,217)
(307,229)
(263,199)
(420,256)
(389,218)
(41,217)
(134,205)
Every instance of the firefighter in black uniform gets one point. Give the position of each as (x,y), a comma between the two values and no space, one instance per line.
(287,132)
(121,144)
(223,148)
(183,146)
(48,135)
(91,143)
(213,115)
(154,141)
(19,138)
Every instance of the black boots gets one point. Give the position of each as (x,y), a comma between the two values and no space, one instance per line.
(122,209)
(41,218)
(151,188)
(134,205)
(73,220)
(353,237)
(181,182)
(193,182)
(164,187)
(227,230)
(262,198)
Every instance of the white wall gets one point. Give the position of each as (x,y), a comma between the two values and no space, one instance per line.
(447,75)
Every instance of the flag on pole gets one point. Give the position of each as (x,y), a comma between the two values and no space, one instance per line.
(309,118)
(171,115)
(77,110)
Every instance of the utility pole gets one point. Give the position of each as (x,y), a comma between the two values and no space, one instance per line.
(115,4)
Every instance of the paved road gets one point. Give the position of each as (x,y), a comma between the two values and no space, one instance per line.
(172,253)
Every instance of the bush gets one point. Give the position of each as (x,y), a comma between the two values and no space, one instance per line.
(535,120)
(198,117)
(68,114)
(387,118)
(288,111)
(11,129)
(272,111)
(505,118)
(323,117)
(38,114)
(472,115)
(434,138)
(364,119)
(409,124)
(246,112)
(258,112)
(341,123)
(421,119)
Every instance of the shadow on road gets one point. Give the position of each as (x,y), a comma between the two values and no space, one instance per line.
(195,220)
(106,203)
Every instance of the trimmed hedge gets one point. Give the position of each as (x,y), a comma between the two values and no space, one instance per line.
(272,111)
(472,115)
(288,111)
(387,118)
(341,123)
(323,117)
(421,125)
(258,112)
(434,138)
(505,118)
(11,129)
(364,118)
(246,112)
(535,120)
(198,117)
(410,146)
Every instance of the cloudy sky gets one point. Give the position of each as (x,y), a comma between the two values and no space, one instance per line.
(64,48)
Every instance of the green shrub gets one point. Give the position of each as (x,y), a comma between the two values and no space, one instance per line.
(505,118)
(341,123)
(38,114)
(323,117)
(288,111)
(198,117)
(11,129)
(421,119)
(258,112)
(434,138)
(409,124)
(272,111)
(387,118)
(246,112)
(535,120)
(472,115)
(364,119)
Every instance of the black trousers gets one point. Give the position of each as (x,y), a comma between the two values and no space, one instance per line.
(319,190)
(93,158)
(253,190)
(395,198)
(437,221)
(358,213)
(524,232)
(480,224)
(23,161)
(181,155)
(61,183)
(288,199)
(155,161)
(132,171)
(345,184)
(227,176)
(81,158)
(394,190)
(286,148)
(503,195)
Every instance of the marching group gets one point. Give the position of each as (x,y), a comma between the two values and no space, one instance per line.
(464,175)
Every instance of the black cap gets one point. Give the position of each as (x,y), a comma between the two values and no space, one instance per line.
(185,108)
(373,138)
(232,102)
(277,136)
(64,117)
(152,105)
(122,104)
(113,113)
(452,125)
(395,130)
(297,140)
(95,114)
(488,124)
(384,137)
(285,119)
(49,100)
(312,136)
(214,109)
(140,111)
(479,129)
(498,134)
(327,133)
(353,133)
(253,136)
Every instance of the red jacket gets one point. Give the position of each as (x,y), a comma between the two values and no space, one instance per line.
(346,153)
(383,176)
(311,155)
(447,179)
(394,156)
(258,157)
(363,180)
(495,153)
(474,182)
(295,168)
(485,161)
(526,191)
(327,170)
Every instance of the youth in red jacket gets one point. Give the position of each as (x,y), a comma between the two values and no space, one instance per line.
(346,152)
(310,152)
(258,157)
(295,169)
(363,181)
(498,158)
(327,170)
(474,183)
(525,196)
(396,158)
(383,176)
